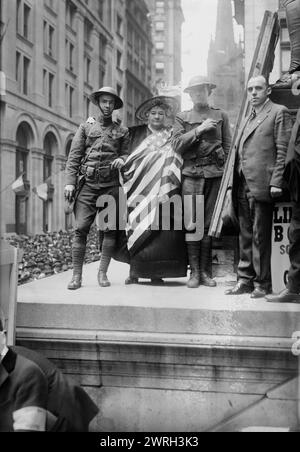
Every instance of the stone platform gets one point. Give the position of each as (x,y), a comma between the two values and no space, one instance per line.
(167,358)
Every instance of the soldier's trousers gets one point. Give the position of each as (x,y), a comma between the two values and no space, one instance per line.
(294,236)
(293,21)
(85,210)
(255,219)
(207,187)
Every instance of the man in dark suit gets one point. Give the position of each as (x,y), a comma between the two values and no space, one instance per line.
(258,181)
(292,174)
(36,397)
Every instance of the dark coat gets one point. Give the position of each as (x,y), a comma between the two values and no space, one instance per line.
(213,146)
(97,147)
(264,143)
(27,379)
(292,171)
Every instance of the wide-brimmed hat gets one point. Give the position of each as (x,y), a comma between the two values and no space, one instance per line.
(169,102)
(199,80)
(94,97)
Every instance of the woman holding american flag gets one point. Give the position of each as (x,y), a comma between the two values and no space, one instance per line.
(152,179)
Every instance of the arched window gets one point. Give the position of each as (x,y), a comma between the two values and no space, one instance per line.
(50,149)
(24,139)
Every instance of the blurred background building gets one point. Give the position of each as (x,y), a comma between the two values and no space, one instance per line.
(225,66)
(54,54)
(167,19)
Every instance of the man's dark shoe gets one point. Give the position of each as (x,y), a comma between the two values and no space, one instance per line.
(75,283)
(131,281)
(259,292)
(286,81)
(157,282)
(206,280)
(240,289)
(284,297)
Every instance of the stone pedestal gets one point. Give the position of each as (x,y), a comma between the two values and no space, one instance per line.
(166,358)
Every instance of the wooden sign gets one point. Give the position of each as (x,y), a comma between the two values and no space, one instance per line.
(280,262)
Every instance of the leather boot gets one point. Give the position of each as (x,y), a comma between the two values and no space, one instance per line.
(206,263)
(193,254)
(78,260)
(108,246)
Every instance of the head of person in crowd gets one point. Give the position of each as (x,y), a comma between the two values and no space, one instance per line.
(2,332)
(199,89)
(158,112)
(107,100)
(259,91)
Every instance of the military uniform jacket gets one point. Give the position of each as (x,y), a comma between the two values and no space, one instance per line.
(95,146)
(204,156)
(35,396)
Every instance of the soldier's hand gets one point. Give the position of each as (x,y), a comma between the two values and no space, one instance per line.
(276,192)
(117,164)
(69,192)
(206,126)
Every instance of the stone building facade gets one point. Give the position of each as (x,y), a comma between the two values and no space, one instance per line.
(55,53)
(167,19)
(138,76)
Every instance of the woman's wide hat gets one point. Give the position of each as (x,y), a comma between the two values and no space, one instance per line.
(94,97)
(170,103)
(197,81)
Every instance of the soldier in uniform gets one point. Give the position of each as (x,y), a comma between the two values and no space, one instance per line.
(98,152)
(202,136)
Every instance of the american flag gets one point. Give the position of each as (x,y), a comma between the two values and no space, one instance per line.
(152,173)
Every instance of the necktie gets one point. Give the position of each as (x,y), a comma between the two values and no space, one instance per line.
(253,114)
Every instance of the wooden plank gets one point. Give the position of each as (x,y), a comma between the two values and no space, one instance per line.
(262,63)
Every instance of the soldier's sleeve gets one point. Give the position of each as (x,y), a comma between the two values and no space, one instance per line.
(76,154)
(282,135)
(30,405)
(124,151)
(183,140)
(226,134)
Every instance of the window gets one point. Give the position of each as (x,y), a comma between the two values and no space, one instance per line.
(119,59)
(119,89)
(49,39)
(101,76)
(87,64)
(119,25)
(87,104)
(49,87)
(69,98)
(88,28)
(26,21)
(160,68)
(160,26)
(101,9)
(23,18)
(70,14)
(22,73)
(19,70)
(160,46)
(69,57)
